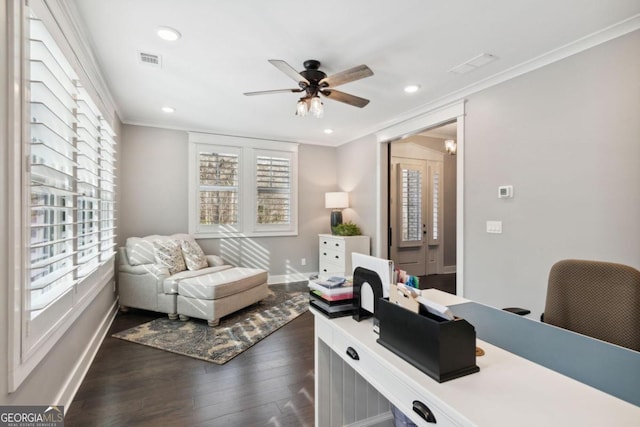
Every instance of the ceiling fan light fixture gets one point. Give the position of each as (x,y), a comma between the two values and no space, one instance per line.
(316,108)
(301,108)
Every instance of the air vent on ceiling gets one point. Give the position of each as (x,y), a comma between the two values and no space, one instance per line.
(151,59)
(473,63)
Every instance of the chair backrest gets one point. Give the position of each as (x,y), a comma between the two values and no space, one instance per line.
(598,299)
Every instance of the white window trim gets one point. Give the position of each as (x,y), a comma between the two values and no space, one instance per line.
(249,148)
(25,352)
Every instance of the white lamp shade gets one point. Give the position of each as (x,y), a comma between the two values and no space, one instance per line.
(338,200)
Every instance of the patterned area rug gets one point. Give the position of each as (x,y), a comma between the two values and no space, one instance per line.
(236,332)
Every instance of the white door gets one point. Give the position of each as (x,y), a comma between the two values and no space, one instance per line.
(416,220)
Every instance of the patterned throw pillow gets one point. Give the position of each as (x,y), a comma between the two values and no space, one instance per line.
(193,255)
(169,254)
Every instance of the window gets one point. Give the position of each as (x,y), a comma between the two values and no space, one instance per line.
(218,188)
(65,201)
(411,205)
(71,175)
(410,189)
(435,204)
(273,190)
(242,187)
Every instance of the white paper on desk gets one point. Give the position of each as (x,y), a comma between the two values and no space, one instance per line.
(435,308)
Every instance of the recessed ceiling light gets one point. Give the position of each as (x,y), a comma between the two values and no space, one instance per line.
(411,88)
(168,33)
(328,131)
(168,109)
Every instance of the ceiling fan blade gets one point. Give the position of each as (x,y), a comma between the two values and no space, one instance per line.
(267,92)
(288,70)
(336,95)
(346,76)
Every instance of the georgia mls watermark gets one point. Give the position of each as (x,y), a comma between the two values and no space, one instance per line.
(32,416)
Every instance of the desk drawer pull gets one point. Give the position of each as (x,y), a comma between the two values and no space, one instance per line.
(352,353)
(424,411)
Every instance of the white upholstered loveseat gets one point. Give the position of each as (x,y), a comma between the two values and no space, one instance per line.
(171,274)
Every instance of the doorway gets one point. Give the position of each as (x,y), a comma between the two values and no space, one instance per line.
(437,116)
(422,204)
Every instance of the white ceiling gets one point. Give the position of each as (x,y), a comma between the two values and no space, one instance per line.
(225,46)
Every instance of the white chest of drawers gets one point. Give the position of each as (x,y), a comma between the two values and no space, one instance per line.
(335,253)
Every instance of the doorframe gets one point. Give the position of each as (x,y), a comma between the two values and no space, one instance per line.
(431,119)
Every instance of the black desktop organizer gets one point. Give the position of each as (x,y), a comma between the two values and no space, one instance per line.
(443,349)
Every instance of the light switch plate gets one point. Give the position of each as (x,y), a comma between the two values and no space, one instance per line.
(494,227)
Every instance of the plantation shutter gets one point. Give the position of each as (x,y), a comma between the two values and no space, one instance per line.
(70,175)
(273,190)
(51,172)
(411,204)
(218,188)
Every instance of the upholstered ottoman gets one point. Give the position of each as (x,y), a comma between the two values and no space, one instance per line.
(213,296)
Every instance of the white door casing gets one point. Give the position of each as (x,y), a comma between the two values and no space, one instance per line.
(430,119)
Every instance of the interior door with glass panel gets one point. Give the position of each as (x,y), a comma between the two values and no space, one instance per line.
(416,194)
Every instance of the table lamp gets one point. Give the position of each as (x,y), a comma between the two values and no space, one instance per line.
(336,202)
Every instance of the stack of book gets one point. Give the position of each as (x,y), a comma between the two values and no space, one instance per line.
(333,296)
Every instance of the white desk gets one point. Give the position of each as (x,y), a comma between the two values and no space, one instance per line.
(508,391)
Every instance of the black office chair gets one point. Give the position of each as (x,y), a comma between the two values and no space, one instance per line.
(598,299)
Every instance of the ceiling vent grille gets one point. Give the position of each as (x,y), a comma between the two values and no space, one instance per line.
(474,63)
(151,59)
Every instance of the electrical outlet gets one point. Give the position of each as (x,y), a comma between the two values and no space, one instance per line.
(303,261)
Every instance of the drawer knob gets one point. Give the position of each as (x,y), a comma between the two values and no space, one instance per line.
(352,353)
(337,257)
(424,411)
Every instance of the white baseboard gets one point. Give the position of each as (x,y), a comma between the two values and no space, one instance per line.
(448,269)
(288,278)
(81,368)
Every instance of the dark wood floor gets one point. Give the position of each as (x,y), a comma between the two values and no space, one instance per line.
(270,384)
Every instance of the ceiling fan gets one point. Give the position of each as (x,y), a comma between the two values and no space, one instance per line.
(314,82)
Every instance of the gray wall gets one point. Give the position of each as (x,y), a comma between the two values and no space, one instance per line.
(567,137)
(357,166)
(154,201)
